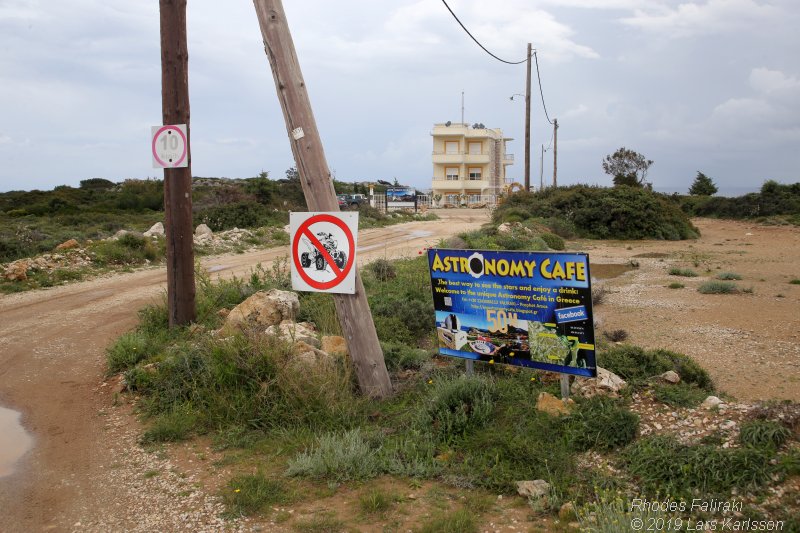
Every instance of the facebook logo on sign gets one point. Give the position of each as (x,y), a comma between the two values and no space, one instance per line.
(571,314)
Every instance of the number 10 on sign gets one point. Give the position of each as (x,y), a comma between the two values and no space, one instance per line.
(170,146)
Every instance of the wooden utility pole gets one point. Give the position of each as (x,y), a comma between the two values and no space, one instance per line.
(353,309)
(177,181)
(555,152)
(528,124)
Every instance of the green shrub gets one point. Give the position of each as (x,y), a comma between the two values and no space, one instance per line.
(553,241)
(609,513)
(662,464)
(403,357)
(249,494)
(604,213)
(675,285)
(339,457)
(602,424)
(731,276)
(382,269)
(375,502)
(636,365)
(717,287)
(171,426)
(763,434)
(561,227)
(795,281)
(461,521)
(128,250)
(680,395)
(685,272)
(456,405)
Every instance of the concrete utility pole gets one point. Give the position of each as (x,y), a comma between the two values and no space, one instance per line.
(555,152)
(541,170)
(353,309)
(177,181)
(528,124)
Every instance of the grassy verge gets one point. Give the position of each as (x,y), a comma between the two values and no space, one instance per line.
(473,434)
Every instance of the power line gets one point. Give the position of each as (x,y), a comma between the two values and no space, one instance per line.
(483,47)
(536,57)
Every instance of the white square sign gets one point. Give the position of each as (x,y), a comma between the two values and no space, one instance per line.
(324,251)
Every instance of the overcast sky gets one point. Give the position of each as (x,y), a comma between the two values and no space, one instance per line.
(709,85)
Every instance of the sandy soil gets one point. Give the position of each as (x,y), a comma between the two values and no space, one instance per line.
(749,342)
(87,473)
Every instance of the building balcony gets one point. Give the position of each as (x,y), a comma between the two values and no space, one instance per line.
(457,158)
(508,159)
(442,184)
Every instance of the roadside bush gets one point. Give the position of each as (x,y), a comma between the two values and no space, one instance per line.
(415,315)
(128,250)
(241,214)
(685,272)
(460,521)
(403,357)
(339,457)
(636,365)
(553,241)
(171,426)
(249,494)
(675,285)
(717,287)
(382,269)
(457,405)
(730,276)
(680,394)
(602,424)
(765,434)
(605,213)
(664,465)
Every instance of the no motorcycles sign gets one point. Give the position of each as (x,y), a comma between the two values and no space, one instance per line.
(324,251)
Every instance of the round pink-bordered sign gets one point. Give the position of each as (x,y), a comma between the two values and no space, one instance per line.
(185,146)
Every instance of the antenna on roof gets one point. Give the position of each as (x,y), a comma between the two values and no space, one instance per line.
(462,107)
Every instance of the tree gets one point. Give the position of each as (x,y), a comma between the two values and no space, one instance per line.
(703,186)
(261,187)
(627,167)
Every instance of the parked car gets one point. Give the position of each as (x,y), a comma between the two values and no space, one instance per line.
(351,201)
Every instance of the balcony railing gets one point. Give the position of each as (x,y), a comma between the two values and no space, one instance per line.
(460,152)
(508,157)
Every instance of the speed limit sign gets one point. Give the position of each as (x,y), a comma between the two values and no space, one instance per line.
(170,147)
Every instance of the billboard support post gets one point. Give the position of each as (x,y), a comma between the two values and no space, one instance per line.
(564,387)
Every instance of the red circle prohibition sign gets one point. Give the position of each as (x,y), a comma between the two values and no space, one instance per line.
(339,273)
(185,146)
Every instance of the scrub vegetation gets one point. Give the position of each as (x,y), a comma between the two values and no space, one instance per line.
(475,434)
(622,212)
(33,223)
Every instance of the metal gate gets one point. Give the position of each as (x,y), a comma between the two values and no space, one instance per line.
(378,201)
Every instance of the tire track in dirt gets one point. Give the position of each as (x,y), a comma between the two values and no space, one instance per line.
(52,363)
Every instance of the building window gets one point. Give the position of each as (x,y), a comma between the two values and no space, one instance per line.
(475,148)
(451,173)
(451,147)
(475,173)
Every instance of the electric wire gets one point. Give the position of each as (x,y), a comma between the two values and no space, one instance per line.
(478,42)
(538,77)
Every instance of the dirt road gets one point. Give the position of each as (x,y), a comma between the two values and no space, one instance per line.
(52,363)
(86,473)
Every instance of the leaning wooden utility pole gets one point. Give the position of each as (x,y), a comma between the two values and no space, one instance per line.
(528,124)
(177,181)
(353,309)
(555,152)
